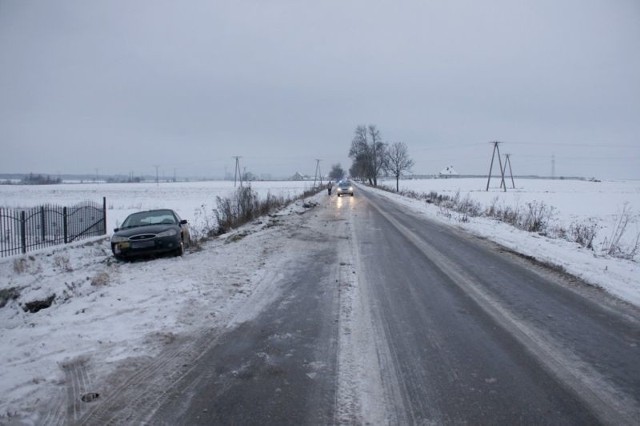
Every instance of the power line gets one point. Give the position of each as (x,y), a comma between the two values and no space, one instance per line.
(446,146)
(576,144)
(453,146)
(595,157)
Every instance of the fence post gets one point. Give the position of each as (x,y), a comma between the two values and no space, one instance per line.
(64,224)
(104,215)
(43,224)
(23,231)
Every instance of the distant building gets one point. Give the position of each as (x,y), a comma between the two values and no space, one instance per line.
(447,172)
(297,176)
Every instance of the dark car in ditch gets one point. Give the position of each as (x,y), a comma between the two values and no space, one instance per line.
(149,233)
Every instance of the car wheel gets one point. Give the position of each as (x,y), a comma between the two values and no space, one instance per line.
(180,250)
(116,255)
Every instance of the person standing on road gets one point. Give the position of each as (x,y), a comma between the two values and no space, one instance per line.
(329,185)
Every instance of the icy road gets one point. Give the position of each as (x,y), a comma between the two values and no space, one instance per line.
(381,316)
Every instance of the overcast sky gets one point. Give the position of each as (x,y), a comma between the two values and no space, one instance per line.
(122,86)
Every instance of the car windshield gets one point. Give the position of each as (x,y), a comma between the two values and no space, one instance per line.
(345,184)
(155,217)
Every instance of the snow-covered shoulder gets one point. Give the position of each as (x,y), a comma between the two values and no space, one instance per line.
(75,304)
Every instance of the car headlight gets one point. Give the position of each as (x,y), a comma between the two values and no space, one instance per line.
(351,188)
(167,233)
(118,239)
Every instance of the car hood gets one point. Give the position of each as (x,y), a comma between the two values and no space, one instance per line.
(149,229)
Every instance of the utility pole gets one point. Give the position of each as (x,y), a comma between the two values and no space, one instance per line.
(238,173)
(157,178)
(318,173)
(553,166)
(496,149)
(508,162)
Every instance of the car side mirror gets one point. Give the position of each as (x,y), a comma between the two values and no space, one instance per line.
(183,222)
(116,229)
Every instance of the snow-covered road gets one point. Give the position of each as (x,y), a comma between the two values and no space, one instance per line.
(335,310)
(468,332)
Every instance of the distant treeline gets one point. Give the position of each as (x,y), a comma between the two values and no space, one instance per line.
(38,179)
(32,179)
(124,179)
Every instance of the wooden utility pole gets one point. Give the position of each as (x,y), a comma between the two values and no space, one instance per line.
(496,149)
(318,173)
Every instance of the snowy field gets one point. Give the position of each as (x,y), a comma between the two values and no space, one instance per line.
(108,314)
(572,201)
(188,199)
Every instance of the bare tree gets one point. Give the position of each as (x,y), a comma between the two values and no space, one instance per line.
(360,154)
(360,141)
(378,153)
(398,161)
(337,172)
(368,154)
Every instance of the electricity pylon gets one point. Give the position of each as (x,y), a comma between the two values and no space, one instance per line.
(237,174)
(507,161)
(496,148)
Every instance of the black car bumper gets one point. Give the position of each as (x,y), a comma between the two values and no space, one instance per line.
(143,248)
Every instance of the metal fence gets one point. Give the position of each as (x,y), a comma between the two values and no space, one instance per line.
(23,230)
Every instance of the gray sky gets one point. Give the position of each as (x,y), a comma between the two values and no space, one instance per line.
(121,86)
